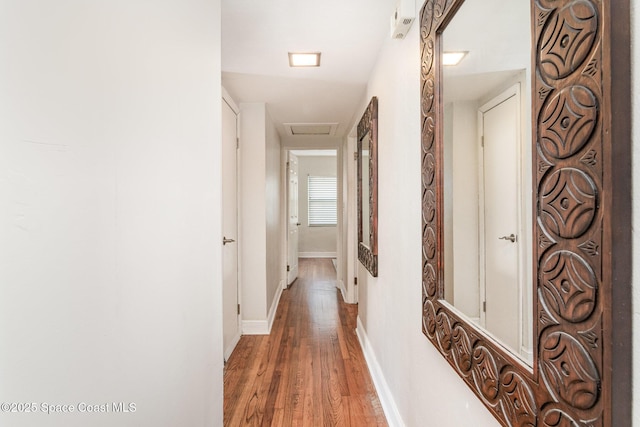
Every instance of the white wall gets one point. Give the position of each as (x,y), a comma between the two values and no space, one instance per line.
(275,215)
(110,187)
(261,217)
(461,207)
(253,225)
(314,240)
(421,382)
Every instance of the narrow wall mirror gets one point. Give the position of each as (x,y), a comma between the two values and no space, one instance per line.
(368,188)
(519,194)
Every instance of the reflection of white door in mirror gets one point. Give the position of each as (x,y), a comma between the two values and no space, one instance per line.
(366,238)
(487,219)
(500,205)
(292,224)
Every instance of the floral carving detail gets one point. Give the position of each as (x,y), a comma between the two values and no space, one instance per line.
(543,92)
(590,158)
(592,68)
(543,167)
(542,17)
(590,337)
(544,241)
(546,319)
(590,248)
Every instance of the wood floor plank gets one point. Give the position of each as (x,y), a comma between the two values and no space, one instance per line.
(310,371)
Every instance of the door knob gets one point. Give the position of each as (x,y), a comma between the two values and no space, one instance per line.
(225,240)
(512,237)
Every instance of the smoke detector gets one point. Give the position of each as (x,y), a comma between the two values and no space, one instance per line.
(402,18)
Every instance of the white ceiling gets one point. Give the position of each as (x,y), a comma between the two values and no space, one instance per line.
(257,35)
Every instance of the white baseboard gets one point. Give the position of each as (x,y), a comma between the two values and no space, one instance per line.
(255,327)
(343,291)
(384,393)
(263,327)
(274,305)
(231,347)
(317,255)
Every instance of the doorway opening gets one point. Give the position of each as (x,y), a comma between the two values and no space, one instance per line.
(312,207)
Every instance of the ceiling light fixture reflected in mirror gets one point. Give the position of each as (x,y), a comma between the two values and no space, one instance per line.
(453,58)
(308,59)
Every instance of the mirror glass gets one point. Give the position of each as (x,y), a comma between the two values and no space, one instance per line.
(487,169)
(368,188)
(364,159)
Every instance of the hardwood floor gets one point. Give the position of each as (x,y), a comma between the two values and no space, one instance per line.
(310,371)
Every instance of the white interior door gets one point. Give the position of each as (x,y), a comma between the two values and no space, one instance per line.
(292,227)
(231,311)
(501,171)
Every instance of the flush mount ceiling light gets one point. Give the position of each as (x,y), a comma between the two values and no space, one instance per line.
(453,58)
(304,59)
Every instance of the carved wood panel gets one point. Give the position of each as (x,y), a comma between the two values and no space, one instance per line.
(570,384)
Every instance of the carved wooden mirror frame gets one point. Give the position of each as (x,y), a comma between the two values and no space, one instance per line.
(368,256)
(581,374)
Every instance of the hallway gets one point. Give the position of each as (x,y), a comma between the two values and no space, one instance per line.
(310,371)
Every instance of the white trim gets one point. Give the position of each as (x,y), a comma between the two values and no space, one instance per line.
(229,100)
(263,327)
(343,291)
(384,393)
(232,346)
(255,327)
(317,255)
(274,306)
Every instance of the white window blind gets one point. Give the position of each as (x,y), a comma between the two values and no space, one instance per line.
(322,200)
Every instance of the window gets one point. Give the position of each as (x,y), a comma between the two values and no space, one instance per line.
(322,200)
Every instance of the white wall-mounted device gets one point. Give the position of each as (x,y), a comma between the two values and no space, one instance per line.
(402,18)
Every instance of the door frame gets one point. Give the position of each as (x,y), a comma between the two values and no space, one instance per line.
(226,97)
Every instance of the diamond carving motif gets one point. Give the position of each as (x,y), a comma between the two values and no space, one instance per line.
(568,204)
(569,371)
(568,121)
(568,39)
(569,286)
